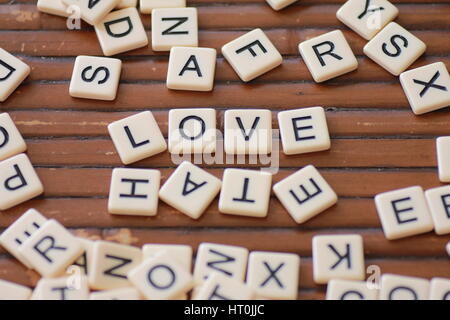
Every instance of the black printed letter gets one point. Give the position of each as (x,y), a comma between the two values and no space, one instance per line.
(328,52)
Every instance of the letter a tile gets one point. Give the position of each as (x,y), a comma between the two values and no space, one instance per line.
(12,72)
(95,78)
(338,257)
(252,55)
(403,212)
(137,137)
(427,88)
(305,194)
(190,189)
(121,31)
(328,56)
(134,192)
(394,48)
(191,69)
(51,249)
(18,181)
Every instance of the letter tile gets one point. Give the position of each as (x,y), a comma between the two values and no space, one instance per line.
(64,288)
(93,11)
(137,137)
(280,4)
(443,158)
(304,130)
(116,294)
(146,6)
(181,253)
(248,131)
(448,248)
(18,181)
(395,287)
(12,72)
(427,88)
(126,4)
(192,131)
(440,289)
(190,189)
(84,263)
(228,260)
(134,192)
(245,192)
(191,69)
(221,287)
(252,55)
(305,194)
(438,200)
(112,263)
(13,291)
(351,290)
(51,249)
(11,141)
(121,31)
(367,17)
(394,48)
(274,275)
(95,78)
(54,7)
(18,232)
(403,212)
(338,257)
(174,27)
(328,56)
(161,278)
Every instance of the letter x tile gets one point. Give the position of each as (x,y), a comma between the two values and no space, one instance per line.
(274,275)
(427,88)
(190,189)
(305,194)
(403,212)
(252,55)
(338,257)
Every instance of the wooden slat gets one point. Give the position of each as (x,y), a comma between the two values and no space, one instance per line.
(27,17)
(156,95)
(348,123)
(64,43)
(395,153)
(155,69)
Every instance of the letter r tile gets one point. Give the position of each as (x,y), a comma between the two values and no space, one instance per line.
(338,257)
(304,194)
(121,31)
(18,181)
(51,249)
(328,56)
(252,55)
(403,212)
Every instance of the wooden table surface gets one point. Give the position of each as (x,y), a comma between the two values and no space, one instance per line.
(377,142)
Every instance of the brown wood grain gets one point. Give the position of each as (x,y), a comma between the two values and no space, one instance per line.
(378,144)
